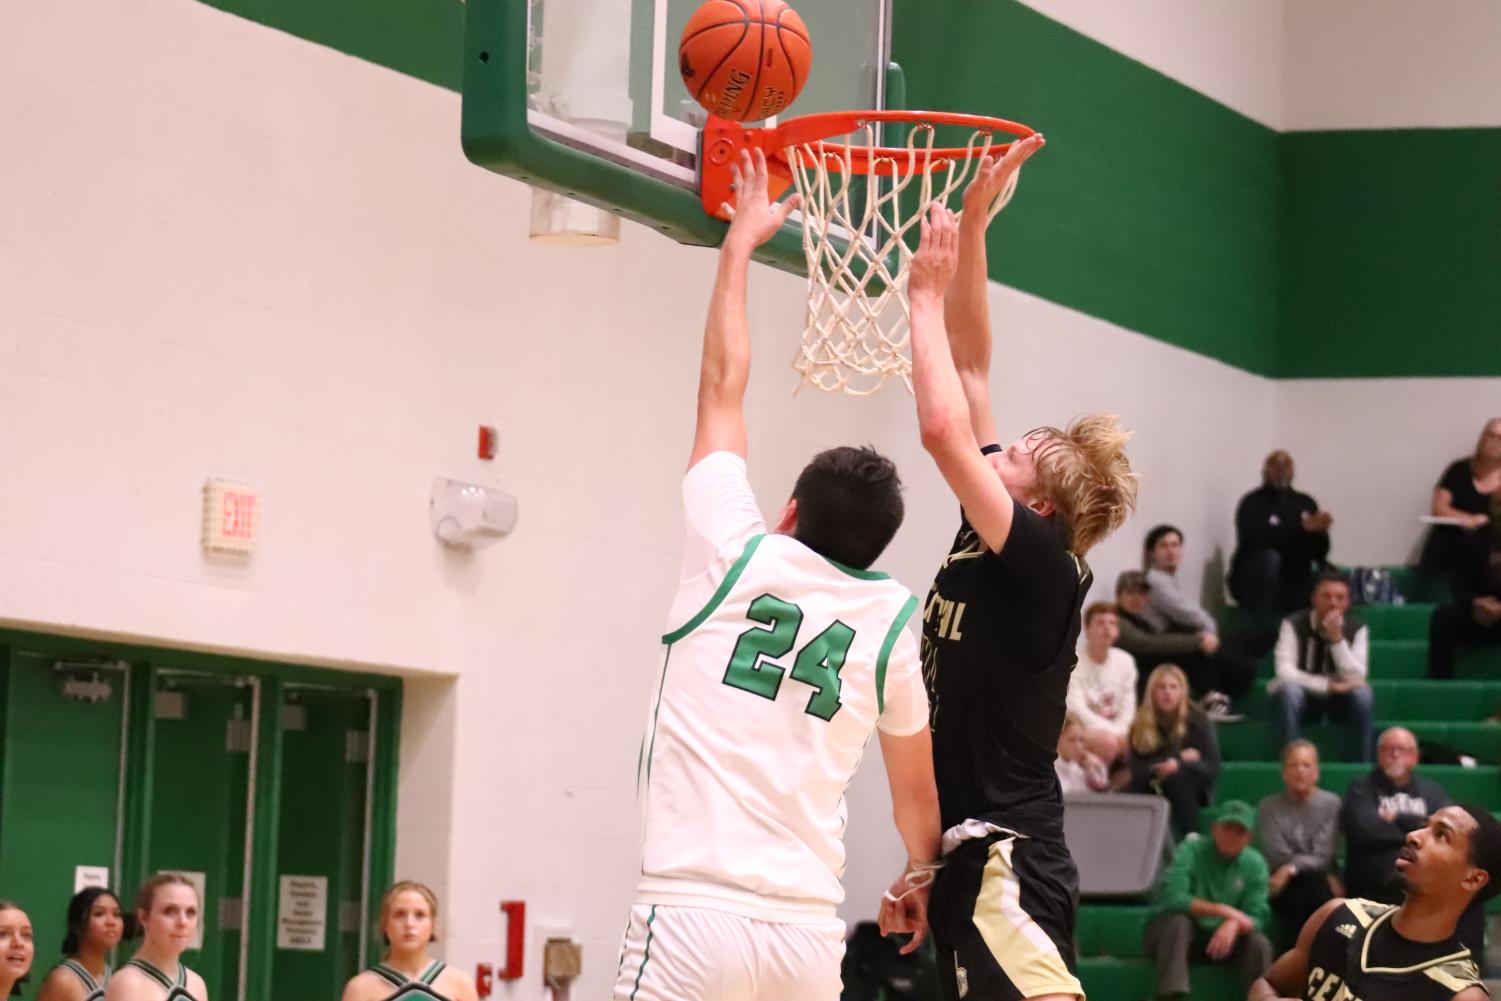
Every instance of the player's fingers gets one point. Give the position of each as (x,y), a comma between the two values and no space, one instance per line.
(918,935)
(759,158)
(727,209)
(787,207)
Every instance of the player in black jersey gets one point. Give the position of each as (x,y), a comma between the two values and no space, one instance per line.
(1359,950)
(1001,623)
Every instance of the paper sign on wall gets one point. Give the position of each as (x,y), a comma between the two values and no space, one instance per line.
(200,883)
(85,876)
(302,918)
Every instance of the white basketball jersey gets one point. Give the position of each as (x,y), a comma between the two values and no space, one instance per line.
(766,701)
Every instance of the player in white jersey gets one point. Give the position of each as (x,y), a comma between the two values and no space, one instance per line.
(784,654)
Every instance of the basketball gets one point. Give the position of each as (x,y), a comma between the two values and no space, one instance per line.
(745,60)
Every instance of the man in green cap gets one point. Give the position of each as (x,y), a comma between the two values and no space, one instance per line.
(1212,901)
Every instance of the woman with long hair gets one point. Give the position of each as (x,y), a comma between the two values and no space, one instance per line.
(1464,494)
(168,910)
(409,922)
(1171,748)
(96,923)
(16,947)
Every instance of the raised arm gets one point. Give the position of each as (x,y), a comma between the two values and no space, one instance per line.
(967,304)
(726,360)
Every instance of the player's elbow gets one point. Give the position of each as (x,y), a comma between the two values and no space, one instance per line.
(942,430)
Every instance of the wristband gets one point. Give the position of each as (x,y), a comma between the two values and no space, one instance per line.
(993,447)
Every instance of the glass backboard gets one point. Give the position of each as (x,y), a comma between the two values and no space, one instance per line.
(583,97)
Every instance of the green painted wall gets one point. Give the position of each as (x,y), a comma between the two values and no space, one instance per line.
(1391,256)
(1154,207)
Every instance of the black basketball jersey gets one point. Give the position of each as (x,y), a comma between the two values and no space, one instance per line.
(1358,955)
(407,989)
(998,638)
(177,989)
(93,989)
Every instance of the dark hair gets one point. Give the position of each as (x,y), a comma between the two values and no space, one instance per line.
(78,915)
(1099,608)
(1329,576)
(1485,849)
(1155,536)
(849,505)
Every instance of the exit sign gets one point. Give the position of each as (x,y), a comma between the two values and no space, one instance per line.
(231,517)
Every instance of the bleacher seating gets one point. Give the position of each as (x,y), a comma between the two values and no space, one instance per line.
(1451,715)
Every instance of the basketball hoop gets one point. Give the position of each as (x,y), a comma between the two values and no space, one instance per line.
(856,236)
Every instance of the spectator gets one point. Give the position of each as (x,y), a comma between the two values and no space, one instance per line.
(1214,673)
(1378,812)
(1167,606)
(1321,667)
(1212,901)
(1298,828)
(1172,748)
(1474,618)
(1465,493)
(1078,769)
(1102,689)
(1281,540)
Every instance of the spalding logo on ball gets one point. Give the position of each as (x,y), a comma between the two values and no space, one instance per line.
(745,60)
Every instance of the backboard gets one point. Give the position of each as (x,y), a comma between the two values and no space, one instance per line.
(583,97)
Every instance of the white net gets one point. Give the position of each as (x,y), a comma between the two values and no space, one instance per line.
(859,234)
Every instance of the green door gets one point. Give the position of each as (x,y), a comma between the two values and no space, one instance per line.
(322,844)
(62,748)
(200,780)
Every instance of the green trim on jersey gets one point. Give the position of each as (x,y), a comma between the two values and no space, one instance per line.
(719,595)
(648,748)
(858,574)
(892,635)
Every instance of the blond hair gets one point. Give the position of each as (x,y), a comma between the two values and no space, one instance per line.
(1084,471)
(146,895)
(405,886)
(1480,442)
(1147,728)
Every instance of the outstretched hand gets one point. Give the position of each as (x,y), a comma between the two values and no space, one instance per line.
(904,911)
(992,175)
(937,256)
(754,217)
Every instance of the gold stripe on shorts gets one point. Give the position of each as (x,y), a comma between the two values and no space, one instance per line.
(1028,957)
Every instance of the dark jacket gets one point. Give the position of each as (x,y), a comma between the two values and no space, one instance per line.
(1148,646)
(1200,737)
(1268,518)
(1371,843)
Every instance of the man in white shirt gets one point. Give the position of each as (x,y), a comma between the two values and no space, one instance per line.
(1322,655)
(1102,689)
(784,654)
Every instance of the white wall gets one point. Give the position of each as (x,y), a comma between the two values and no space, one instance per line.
(1380,64)
(1371,450)
(224,251)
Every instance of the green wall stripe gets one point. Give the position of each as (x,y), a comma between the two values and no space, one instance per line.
(1153,206)
(421,38)
(1392,257)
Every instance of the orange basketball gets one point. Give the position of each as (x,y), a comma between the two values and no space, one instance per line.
(745,60)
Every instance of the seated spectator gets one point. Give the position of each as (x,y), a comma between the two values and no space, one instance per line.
(1214,673)
(1464,492)
(1297,830)
(1212,902)
(1474,617)
(1172,749)
(1102,689)
(1078,769)
(1378,812)
(1321,667)
(1281,540)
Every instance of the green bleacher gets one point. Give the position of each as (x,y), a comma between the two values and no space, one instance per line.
(1443,714)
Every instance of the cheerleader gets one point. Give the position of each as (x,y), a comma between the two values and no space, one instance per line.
(96,923)
(167,908)
(408,920)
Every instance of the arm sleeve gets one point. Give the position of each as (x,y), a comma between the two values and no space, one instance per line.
(1078,704)
(1177,883)
(1127,698)
(1170,600)
(1286,657)
(1208,746)
(1271,837)
(906,709)
(1253,524)
(1253,895)
(1364,829)
(721,511)
(1352,657)
(1143,643)
(1320,858)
